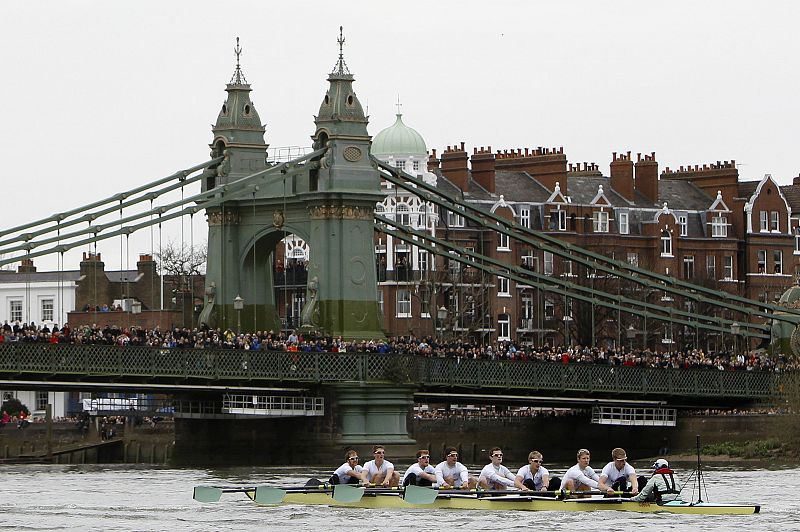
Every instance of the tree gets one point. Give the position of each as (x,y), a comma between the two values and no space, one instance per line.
(182,260)
(14,406)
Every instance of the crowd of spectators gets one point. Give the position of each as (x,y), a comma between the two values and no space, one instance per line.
(207,338)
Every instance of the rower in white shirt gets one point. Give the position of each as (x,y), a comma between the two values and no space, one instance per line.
(535,476)
(349,472)
(619,475)
(422,473)
(380,471)
(580,477)
(496,476)
(453,474)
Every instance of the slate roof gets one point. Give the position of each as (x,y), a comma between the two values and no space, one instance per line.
(682,195)
(39,277)
(747,188)
(792,193)
(520,187)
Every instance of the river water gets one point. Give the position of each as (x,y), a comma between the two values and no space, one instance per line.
(129,498)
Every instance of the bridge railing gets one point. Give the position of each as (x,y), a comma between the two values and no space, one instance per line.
(32,361)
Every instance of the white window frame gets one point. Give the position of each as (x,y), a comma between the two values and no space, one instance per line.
(761,261)
(415,166)
(529,260)
(719,227)
(504,327)
(504,242)
(454,219)
(688,266)
(764,221)
(777,261)
(42,398)
(567,268)
(797,240)
(525,216)
(666,243)
(633,259)
(624,226)
(403,303)
(47,311)
(683,223)
(775,222)
(560,220)
(503,286)
(403,214)
(400,164)
(711,266)
(14,312)
(549,309)
(600,222)
(380,300)
(422,260)
(548,263)
(727,266)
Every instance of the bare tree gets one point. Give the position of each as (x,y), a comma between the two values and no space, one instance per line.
(181,261)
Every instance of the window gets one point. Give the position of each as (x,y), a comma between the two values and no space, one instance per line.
(422,261)
(403,214)
(797,240)
(422,218)
(682,222)
(15,310)
(527,308)
(47,310)
(728,266)
(666,243)
(548,263)
(503,242)
(528,259)
(400,164)
(503,286)
(633,259)
(761,261)
(558,220)
(775,224)
(764,221)
(454,219)
(415,166)
(503,327)
(711,266)
(688,266)
(600,222)
(623,223)
(777,261)
(41,400)
(525,217)
(719,226)
(453,265)
(404,303)
(380,300)
(568,268)
(549,309)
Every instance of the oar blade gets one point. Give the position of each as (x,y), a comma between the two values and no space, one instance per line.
(207,494)
(347,493)
(420,495)
(269,495)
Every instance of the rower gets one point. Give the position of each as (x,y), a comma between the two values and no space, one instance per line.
(619,475)
(496,476)
(349,472)
(662,486)
(535,476)
(422,473)
(580,477)
(380,471)
(453,474)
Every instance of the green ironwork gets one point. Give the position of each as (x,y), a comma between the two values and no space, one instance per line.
(133,364)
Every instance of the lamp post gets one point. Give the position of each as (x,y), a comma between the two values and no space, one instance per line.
(630,332)
(441,315)
(238,305)
(735,328)
(567,320)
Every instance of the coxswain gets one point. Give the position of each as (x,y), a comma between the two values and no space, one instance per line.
(619,475)
(422,473)
(580,477)
(349,472)
(453,474)
(534,476)
(380,471)
(496,476)
(662,486)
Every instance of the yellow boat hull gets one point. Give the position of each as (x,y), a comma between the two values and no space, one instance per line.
(514,502)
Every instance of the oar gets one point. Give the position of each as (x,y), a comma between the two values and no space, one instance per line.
(213,494)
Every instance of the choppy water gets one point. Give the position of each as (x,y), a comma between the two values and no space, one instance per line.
(122,498)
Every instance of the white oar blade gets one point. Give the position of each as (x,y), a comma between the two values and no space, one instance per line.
(206,494)
(347,493)
(420,495)
(269,495)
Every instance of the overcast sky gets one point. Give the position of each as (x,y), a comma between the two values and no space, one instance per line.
(100,97)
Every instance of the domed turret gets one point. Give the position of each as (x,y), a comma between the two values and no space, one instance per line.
(399,140)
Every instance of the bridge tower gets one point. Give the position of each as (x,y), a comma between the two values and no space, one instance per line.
(329,203)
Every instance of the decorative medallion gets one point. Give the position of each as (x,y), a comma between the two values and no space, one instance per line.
(352,154)
(229,218)
(278,219)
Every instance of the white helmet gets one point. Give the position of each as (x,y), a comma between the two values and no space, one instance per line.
(660,463)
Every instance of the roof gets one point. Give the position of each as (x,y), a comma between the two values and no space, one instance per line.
(683,195)
(520,187)
(7,277)
(399,139)
(792,195)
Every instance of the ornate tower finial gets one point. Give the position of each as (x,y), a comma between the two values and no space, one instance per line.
(238,77)
(341,66)
(399,105)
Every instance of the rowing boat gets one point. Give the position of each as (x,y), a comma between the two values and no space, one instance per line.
(419,497)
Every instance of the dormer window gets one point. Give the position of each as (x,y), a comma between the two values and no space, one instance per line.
(774,222)
(684,225)
(719,227)
(400,164)
(415,166)
(525,217)
(454,219)
(246,110)
(764,226)
(599,222)
(666,243)
(224,109)
(558,220)
(624,227)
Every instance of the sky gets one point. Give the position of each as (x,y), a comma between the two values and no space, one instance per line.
(100,97)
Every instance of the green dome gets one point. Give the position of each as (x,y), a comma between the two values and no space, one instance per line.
(398,139)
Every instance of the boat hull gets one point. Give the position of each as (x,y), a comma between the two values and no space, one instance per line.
(524,503)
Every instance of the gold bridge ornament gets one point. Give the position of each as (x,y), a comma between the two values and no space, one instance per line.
(342,212)
(230,218)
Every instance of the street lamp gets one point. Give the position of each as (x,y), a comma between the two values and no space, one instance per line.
(567,319)
(630,332)
(238,305)
(735,328)
(441,315)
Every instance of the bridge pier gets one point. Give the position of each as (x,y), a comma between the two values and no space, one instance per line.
(370,414)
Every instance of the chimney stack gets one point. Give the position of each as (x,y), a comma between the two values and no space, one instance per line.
(647,177)
(26,266)
(622,175)
(433,161)
(483,171)
(455,167)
